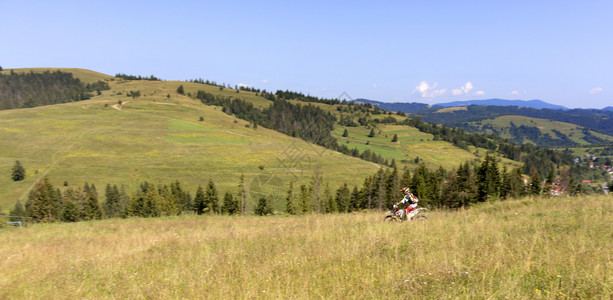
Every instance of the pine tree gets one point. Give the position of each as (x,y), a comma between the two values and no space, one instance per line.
(91,209)
(19,172)
(535,183)
(355,203)
(343,198)
(180,197)
(153,203)
(71,212)
(180,90)
(230,205)
(345,133)
(549,182)
(331,204)
(199,201)
(372,133)
(43,204)
(17,212)
(112,206)
(211,198)
(305,206)
(290,206)
(263,208)
(395,138)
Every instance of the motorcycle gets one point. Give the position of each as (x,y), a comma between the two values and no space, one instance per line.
(400,215)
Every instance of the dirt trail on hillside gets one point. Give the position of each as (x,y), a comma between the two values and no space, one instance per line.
(118,106)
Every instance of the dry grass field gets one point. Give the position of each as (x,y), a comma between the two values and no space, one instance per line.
(531,248)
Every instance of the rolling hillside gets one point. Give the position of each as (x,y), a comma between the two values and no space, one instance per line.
(163,136)
(538,131)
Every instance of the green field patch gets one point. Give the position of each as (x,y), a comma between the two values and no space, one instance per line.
(200,140)
(174,124)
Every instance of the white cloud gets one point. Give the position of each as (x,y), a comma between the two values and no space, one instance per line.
(429,91)
(479,93)
(463,90)
(243,85)
(595,90)
(264,80)
(514,93)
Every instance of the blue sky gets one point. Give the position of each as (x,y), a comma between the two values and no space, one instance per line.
(402,51)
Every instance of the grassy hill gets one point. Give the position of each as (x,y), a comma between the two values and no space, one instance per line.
(146,139)
(527,249)
(159,137)
(86,76)
(577,134)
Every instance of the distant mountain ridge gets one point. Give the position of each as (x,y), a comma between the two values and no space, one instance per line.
(414,107)
(538,104)
(406,107)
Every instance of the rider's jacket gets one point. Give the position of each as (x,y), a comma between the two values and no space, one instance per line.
(410,198)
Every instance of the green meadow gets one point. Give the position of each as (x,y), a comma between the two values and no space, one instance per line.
(155,139)
(572,131)
(163,136)
(534,248)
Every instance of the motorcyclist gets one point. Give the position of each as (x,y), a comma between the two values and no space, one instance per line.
(408,198)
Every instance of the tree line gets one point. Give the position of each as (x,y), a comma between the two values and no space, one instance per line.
(134,77)
(24,90)
(469,183)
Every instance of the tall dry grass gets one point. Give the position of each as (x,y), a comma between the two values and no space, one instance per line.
(532,248)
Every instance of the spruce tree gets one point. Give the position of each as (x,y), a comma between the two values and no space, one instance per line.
(153,203)
(199,202)
(535,183)
(395,138)
(180,197)
(17,212)
(112,205)
(211,198)
(290,206)
(230,205)
(372,133)
(180,90)
(305,205)
(71,212)
(549,182)
(43,204)
(343,198)
(345,133)
(19,172)
(91,209)
(331,204)
(263,207)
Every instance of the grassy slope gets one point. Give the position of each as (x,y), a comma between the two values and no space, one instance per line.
(159,139)
(545,126)
(156,139)
(532,248)
(84,75)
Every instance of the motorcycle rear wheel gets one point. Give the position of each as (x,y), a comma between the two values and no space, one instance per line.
(390,219)
(420,217)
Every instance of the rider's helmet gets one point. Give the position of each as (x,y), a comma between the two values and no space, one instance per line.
(405,190)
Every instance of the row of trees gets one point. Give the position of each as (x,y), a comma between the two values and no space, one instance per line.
(470,183)
(22,90)
(49,204)
(307,122)
(133,77)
